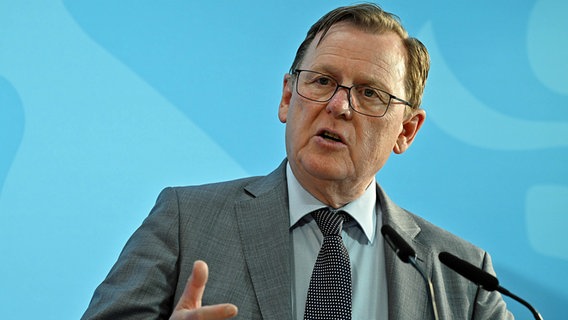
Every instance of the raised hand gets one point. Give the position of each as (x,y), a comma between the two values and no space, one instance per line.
(189,305)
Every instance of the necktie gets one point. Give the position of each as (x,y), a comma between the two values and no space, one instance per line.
(329,292)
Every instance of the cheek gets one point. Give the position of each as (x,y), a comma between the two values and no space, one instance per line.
(378,140)
(302,115)
(297,123)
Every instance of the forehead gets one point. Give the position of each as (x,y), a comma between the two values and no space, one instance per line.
(349,52)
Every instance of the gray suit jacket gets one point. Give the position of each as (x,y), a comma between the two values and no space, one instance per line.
(241,229)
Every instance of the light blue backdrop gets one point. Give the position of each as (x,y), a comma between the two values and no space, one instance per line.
(104,103)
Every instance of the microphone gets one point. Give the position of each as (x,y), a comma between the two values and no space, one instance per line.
(407,255)
(481,278)
(402,249)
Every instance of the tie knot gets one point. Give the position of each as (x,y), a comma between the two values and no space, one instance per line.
(329,221)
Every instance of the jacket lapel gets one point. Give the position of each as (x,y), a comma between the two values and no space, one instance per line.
(263,222)
(407,291)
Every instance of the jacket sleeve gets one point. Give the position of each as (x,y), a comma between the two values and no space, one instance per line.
(142,283)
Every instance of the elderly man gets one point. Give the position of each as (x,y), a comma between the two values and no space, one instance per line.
(304,241)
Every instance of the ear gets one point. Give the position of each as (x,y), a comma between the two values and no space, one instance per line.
(285,100)
(410,128)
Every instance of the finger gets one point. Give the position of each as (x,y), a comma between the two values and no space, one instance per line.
(195,286)
(215,312)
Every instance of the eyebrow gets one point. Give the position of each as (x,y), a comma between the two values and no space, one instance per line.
(369,80)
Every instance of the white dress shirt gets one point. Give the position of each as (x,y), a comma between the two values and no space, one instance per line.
(362,239)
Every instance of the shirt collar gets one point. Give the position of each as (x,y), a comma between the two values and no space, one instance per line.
(362,209)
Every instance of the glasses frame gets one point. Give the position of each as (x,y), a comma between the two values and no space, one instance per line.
(297,72)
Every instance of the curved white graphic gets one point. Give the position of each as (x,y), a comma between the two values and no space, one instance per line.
(547,45)
(99,143)
(458,113)
(547,218)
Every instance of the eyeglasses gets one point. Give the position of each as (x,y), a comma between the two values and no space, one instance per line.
(365,100)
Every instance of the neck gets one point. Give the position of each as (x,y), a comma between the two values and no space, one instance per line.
(334,194)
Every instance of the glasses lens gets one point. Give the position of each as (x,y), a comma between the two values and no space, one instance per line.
(366,100)
(370,101)
(315,86)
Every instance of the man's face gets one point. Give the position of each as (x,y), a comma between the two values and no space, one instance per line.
(333,151)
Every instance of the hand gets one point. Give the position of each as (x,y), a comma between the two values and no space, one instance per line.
(189,305)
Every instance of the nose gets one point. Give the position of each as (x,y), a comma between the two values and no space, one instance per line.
(338,105)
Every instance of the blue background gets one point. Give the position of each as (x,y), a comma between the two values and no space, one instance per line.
(104,103)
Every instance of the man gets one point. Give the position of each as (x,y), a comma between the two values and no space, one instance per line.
(247,247)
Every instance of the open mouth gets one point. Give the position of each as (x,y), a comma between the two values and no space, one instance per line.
(330,136)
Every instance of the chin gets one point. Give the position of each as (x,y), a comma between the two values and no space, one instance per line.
(326,170)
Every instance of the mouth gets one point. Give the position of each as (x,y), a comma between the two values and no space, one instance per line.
(327,135)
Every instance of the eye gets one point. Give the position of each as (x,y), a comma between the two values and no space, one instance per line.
(369,93)
(372,95)
(323,81)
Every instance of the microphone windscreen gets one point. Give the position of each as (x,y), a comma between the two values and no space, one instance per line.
(469,271)
(398,244)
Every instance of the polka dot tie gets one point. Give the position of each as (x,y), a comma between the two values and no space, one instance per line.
(329,293)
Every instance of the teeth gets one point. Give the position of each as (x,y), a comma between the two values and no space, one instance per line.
(331,136)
